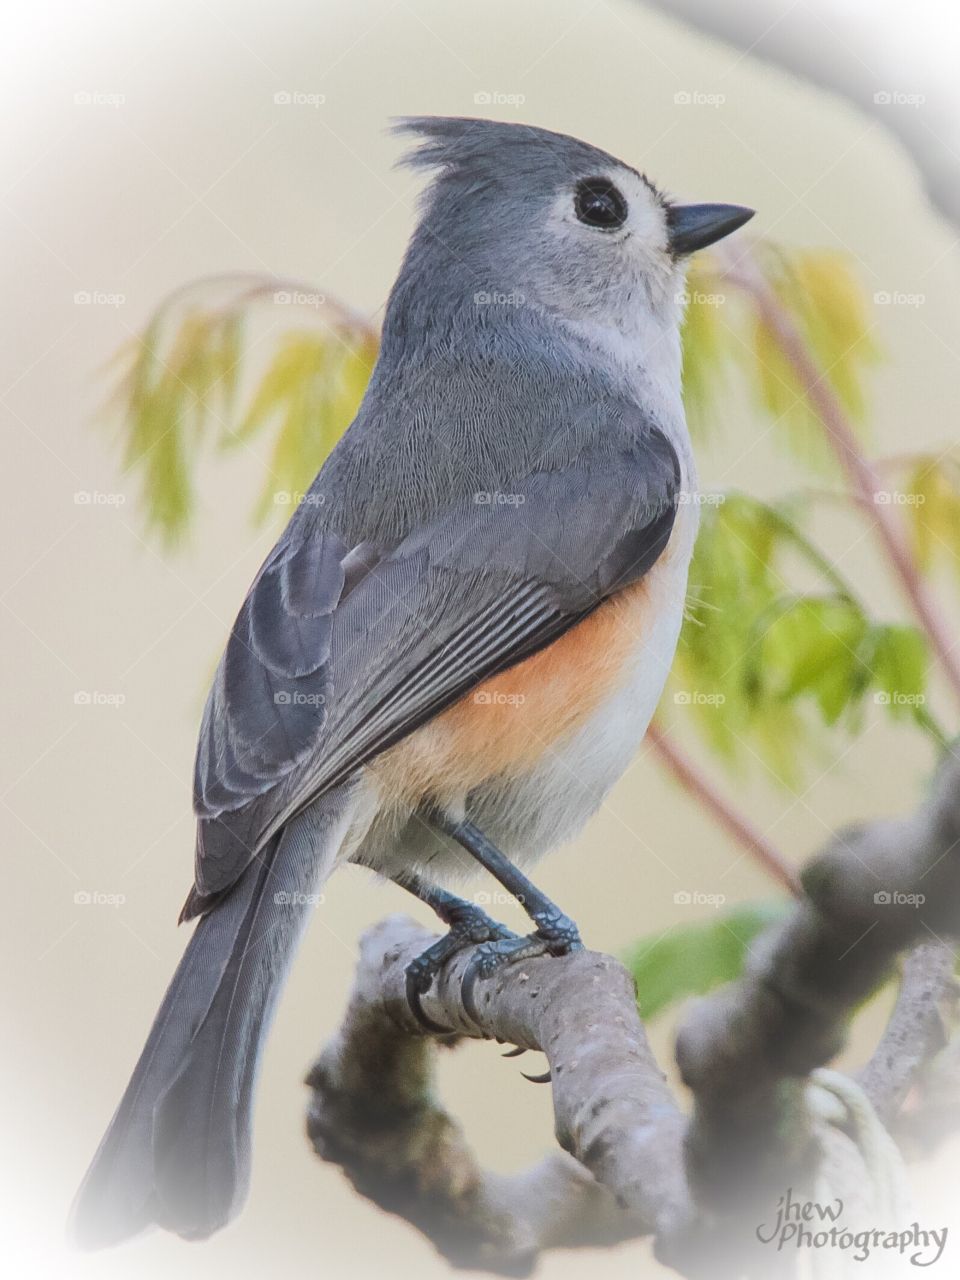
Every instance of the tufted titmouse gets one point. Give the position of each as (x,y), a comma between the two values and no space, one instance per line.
(456,645)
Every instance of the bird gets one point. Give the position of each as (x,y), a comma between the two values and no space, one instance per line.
(455,647)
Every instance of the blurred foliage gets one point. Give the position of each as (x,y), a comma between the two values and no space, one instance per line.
(311,391)
(931,499)
(763,666)
(724,336)
(692,959)
(179,388)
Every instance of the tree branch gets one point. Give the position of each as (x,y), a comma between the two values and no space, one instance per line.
(916,1030)
(632,1165)
(373,1110)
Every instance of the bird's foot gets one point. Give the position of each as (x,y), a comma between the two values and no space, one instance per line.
(555,935)
(469,926)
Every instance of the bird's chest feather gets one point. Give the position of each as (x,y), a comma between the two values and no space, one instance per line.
(598,684)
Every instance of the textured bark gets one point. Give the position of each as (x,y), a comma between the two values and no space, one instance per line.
(374,1112)
(917,1029)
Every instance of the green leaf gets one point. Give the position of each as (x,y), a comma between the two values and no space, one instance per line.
(899,661)
(933,510)
(827,304)
(180,389)
(723,335)
(692,959)
(813,646)
(737,588)
(761,666)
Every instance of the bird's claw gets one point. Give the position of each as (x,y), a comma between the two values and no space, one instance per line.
(469,927)
(556,935)
(545,1078)
(418,980)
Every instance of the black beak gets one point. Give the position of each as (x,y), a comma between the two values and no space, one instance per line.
(694,226)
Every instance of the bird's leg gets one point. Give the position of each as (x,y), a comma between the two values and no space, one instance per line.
(555,934)
(469,925)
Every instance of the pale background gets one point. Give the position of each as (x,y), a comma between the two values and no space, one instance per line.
(198,171)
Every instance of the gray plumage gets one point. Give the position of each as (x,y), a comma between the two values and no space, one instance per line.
(399,584)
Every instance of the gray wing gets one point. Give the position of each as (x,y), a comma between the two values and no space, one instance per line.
(268,704)
(473,591)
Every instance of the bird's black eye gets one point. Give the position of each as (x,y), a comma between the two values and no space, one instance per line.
(599,204)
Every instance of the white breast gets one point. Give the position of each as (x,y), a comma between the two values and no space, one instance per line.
(548,806)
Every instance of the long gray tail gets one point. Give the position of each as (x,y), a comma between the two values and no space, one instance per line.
(177,1152)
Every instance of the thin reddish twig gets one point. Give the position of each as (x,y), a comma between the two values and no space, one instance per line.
(696,782)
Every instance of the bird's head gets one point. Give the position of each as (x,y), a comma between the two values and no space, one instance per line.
(519,216)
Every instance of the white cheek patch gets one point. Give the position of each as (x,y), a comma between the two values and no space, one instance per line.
(642,239)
